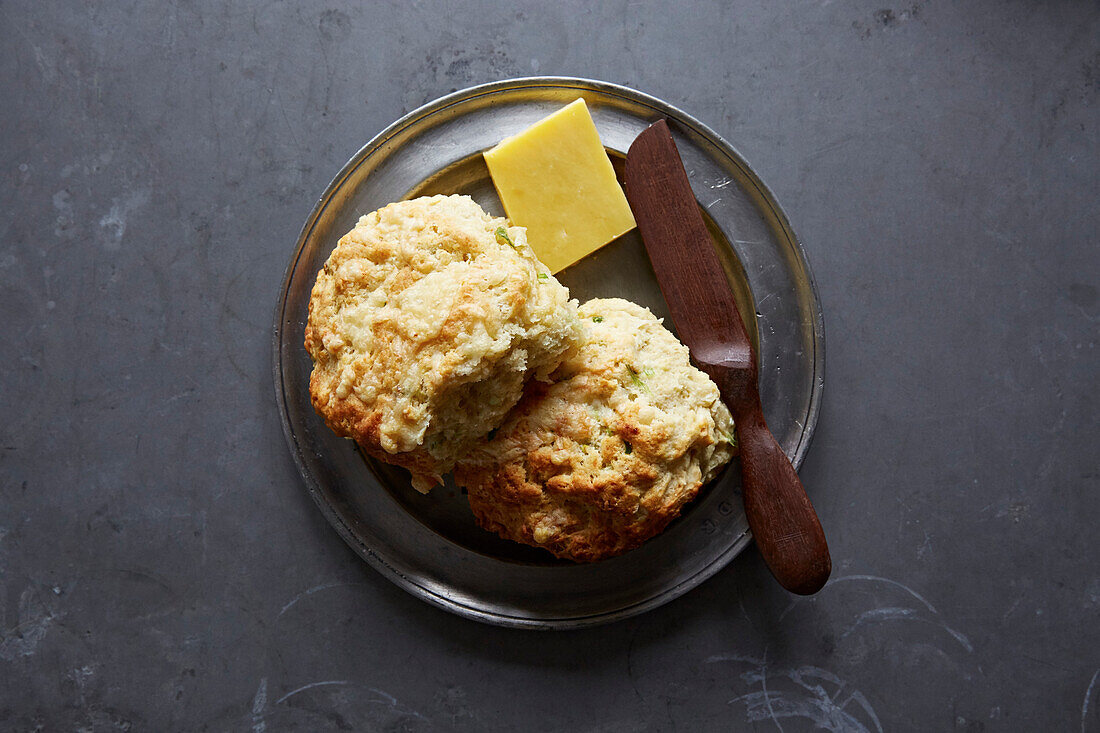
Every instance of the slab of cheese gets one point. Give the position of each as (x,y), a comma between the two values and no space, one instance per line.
(556,179)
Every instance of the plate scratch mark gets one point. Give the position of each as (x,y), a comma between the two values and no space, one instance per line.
(907,589)
(311,685)
(1052,665)
(893,613)
(959,637)
(286,119)
(764,688)
(805,696)
(259,702)
(741,604)
(35,619)
(309,592)
(864,703)
(792,605)
(391,702)
(832,146)
(1088,697)
(630,664)
(879,614)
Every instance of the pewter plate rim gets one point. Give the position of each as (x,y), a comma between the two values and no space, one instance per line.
(377,560)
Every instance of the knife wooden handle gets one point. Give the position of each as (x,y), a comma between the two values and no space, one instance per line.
(781,517)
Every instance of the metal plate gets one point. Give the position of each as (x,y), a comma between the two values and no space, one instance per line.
(430,545)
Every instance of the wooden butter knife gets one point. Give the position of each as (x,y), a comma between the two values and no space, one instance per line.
(780,515)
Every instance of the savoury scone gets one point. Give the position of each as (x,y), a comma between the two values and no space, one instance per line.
(604,457)
(424,325)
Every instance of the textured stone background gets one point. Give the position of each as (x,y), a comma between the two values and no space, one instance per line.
(162,567)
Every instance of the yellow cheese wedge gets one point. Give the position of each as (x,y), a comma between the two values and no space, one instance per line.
(555,179)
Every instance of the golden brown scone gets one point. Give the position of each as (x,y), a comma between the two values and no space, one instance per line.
(424,324)
(603,458)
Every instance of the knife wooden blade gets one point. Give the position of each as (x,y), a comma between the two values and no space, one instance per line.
(780,515)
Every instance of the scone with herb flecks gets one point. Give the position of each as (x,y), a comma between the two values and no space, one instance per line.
(607,454)
(425,324)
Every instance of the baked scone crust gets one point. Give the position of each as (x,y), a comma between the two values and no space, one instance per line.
(424,325)
(606,455)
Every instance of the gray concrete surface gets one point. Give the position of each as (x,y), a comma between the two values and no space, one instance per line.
(161,565)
